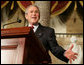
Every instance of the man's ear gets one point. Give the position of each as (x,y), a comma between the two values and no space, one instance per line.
(25,16)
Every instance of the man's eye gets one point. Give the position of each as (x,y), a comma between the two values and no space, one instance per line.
(36,12)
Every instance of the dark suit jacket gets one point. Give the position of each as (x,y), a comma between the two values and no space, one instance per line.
(47,36)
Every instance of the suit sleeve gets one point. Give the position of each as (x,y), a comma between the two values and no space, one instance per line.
(56,50)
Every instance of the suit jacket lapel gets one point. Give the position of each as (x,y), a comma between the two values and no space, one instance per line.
(39,32)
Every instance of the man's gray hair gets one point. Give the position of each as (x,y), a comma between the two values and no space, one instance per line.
(26,11)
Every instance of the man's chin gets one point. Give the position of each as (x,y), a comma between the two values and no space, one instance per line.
(34,23)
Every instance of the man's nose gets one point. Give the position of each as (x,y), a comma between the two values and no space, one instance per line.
(34,13)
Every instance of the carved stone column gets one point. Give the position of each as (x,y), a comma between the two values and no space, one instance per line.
(44,7)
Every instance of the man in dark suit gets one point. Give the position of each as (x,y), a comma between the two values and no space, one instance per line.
(47,35)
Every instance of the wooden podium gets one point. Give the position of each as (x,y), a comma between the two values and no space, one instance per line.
(21,46)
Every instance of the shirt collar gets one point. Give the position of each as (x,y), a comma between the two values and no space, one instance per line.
(35,27)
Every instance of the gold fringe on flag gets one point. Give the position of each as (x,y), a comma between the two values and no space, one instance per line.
(75,7)
(53,7)
(12,6)
(81,2)
(3,5)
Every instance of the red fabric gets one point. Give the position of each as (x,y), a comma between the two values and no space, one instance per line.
(2,2)
(52,3)
(60,5)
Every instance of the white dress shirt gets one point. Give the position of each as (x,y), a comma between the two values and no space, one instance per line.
(35,27)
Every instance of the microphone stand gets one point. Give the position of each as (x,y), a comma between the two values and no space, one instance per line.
(19,21)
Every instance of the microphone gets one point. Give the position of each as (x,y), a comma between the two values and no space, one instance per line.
(18,21)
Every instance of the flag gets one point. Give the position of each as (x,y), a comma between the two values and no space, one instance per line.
(23,4)
(58,7)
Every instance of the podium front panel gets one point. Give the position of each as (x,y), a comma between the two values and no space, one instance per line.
(12,50)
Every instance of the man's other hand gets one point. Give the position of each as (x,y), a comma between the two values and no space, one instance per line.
(70,54)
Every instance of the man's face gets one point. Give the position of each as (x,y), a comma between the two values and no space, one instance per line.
(33,15)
